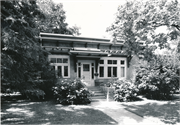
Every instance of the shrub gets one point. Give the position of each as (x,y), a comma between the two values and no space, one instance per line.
(125,91)
(159,79)
(34,94)
(68,92)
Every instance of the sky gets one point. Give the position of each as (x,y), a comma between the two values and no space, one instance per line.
(92,16)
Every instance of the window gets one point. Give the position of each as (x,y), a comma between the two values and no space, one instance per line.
(65,70)
(101,71)
(85,67)
(92,72)
(109,71)
(53,60)
(59,60)
(101,61)
(112,67)
(112,71)
(122,72)
(112,61)
(61,65)
(109,61)
(79,72)
(65,60)
(122,62)
(59,72)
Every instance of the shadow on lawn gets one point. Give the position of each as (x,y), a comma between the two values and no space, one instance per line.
(168,112)
(25,112)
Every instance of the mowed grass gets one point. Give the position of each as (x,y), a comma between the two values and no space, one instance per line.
(26,112)
(166,111)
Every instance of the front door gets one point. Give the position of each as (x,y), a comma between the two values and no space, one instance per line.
(86,73)
(86,70)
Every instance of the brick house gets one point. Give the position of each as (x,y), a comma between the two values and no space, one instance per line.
(95,60)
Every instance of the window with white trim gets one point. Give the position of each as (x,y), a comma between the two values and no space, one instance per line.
(112,71)
(101,71)
(122,64)
(61,64)
(101,68)
(112,67)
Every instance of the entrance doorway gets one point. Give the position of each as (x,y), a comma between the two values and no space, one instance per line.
(86,69)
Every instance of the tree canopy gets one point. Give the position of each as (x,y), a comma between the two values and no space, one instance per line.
(55,18)
(23,60)
(138,21)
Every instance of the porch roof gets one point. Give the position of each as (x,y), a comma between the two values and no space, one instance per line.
(86,52)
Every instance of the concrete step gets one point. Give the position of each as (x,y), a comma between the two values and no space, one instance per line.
(93,88)
(98,97)
(96,91)
(98,94)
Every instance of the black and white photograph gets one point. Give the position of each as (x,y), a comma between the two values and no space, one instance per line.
(79,62)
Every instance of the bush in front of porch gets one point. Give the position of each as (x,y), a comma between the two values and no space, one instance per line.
(125,91)
(159,79)
(121,90)
(71,92)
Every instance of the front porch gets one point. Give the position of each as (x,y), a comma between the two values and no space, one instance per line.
(94,60)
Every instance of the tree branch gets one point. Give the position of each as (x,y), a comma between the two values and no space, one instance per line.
(176,26)
(155,24)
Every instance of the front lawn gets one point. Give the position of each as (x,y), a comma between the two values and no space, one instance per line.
(25,112)
(166,111)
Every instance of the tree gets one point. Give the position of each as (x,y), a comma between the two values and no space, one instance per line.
(138,21)
(23,60)
(55,17)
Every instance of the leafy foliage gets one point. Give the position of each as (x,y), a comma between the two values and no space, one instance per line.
(125,91)
(68,92)
(138,21)
(24,63)
(23,60)
(159,78)
(54,21)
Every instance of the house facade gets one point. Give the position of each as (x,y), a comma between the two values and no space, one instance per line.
(94,60)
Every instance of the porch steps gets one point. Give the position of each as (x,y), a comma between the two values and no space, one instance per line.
(98,94)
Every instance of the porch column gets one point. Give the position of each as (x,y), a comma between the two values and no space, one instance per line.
(75,63)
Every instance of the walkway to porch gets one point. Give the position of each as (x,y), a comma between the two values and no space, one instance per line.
(116,110)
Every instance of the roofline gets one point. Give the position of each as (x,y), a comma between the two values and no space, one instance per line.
(71,36)
(81,39)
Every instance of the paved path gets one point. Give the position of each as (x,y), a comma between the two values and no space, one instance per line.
(118,112)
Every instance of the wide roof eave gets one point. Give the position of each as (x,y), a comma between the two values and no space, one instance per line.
(72,38)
